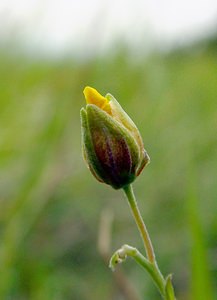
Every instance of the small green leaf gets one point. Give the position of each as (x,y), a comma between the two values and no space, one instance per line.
(169,288)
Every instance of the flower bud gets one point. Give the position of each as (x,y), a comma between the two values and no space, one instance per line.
(112,145)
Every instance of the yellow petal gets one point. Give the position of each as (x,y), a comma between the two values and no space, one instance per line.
(92,96)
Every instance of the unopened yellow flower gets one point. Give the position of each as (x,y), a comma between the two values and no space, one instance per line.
(112,144)
(92,96)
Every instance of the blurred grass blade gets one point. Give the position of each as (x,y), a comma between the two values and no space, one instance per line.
(201,287)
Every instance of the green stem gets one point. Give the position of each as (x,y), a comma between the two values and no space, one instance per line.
(140,223)
(150,264)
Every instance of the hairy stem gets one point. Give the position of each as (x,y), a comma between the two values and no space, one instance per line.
(140,223)
(150,264)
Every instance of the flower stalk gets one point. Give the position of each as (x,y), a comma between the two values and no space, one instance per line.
(150,264)
(140,223)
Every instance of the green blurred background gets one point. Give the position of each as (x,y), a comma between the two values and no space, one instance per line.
(52,209)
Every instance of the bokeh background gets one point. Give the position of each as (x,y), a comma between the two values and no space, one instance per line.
(58,225)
